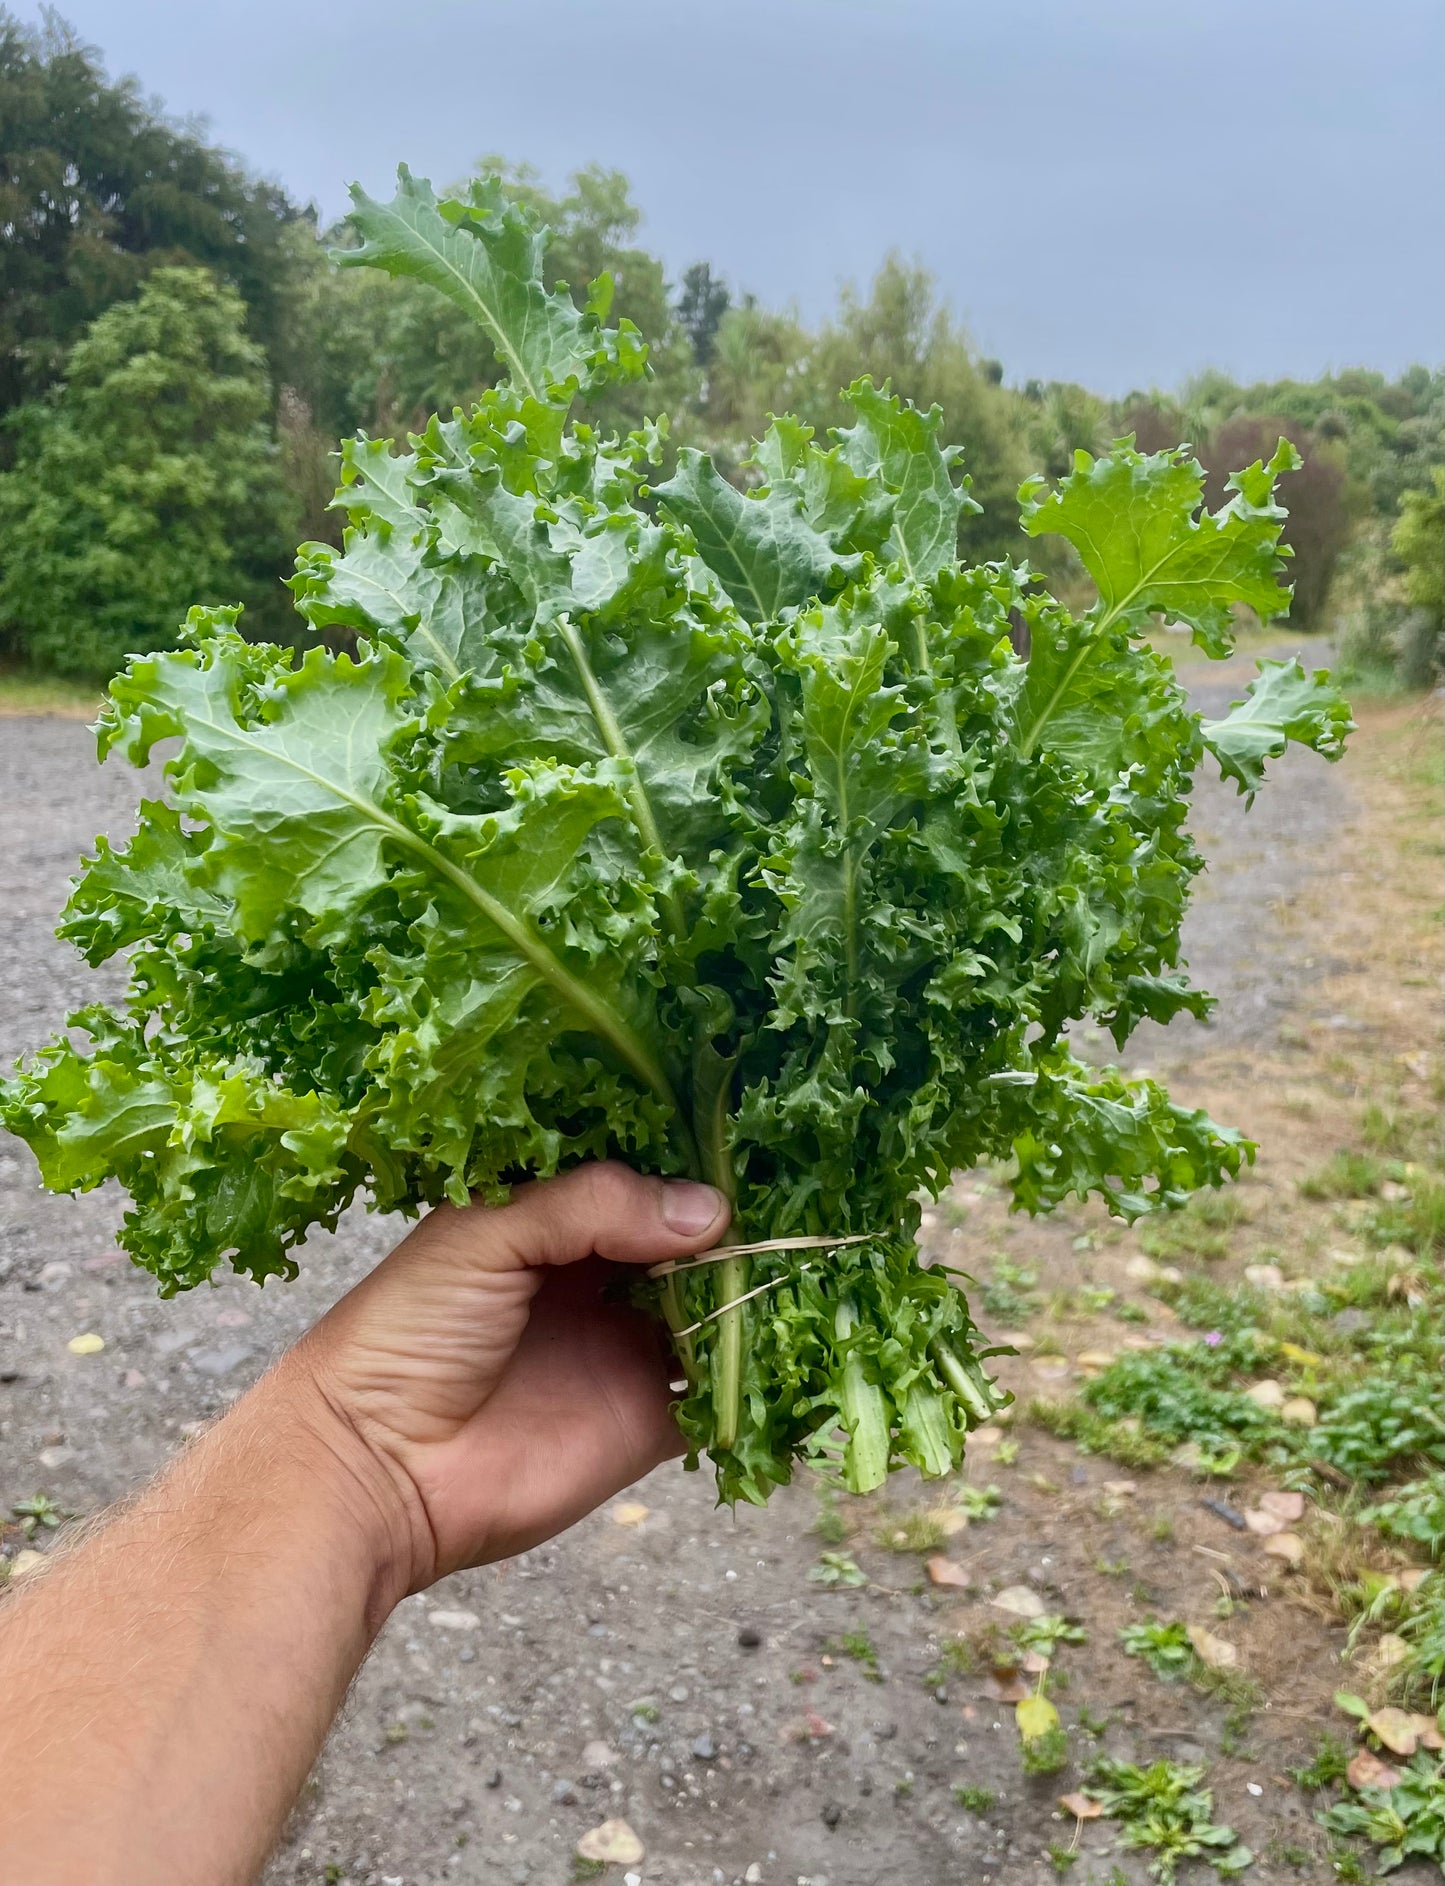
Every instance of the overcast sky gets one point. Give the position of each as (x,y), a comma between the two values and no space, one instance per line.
(1115,191)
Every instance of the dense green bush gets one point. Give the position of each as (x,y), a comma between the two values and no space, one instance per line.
(146,479)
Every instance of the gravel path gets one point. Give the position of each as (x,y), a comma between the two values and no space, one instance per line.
(640,1669)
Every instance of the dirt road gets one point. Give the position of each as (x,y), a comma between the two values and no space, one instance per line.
(674,1671)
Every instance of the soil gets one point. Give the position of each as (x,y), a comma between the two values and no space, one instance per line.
(690,1641)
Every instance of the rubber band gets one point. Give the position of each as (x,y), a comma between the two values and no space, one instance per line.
(725,1251)
(747,1297)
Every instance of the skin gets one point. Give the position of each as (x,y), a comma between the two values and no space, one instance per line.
(168,1683)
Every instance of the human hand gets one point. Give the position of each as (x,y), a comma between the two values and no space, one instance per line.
(482,1389)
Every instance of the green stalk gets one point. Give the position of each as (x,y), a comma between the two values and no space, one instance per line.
(962,1381)
(712,1083)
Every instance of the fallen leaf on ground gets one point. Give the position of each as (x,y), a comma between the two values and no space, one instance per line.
(88,1344)
(1304,1358)
(1021,1601)
(1287,1546)
(1285,1505)
(1398,1729)
(1096,1359)
(1368,1771)
(1430,1733)
(1080,1806)
(949,1572)
(1413,1577)
(985,1437)
(809,1727)
(1265,1523)
(629,1513)
(613,1843)
(1006,1686)
(1390,1649)
(1120,1490)
(1034,1663)
(950,1522)
(1035,1716)
(1216,1653)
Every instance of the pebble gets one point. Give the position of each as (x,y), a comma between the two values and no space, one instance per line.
(679,1692)
(493,1779)
(564,1793)
(832,1814)
(598,1755)
(218,1362)
(704,1749)
(754,1875)
(454,1620)
(1299,1411)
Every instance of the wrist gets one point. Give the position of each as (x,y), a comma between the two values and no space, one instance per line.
(320,1468)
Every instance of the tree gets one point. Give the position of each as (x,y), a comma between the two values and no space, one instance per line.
(701,305)
(96,190)
(144,483)
(1320,523)
(903,334)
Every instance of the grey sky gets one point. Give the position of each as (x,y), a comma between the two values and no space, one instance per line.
(1115,191)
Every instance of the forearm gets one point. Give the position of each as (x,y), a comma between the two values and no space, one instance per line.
(169,1683)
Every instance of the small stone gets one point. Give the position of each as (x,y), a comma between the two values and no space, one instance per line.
(133,1379)
(454,1620)
(598,1755)
(1287,1546)
(54,1274)
(831,1814)
(1019,1601)
(1215,1653)
(754,1875)
(52,1457)
(218,1362)
(613,1843)
(1096,1359)
(748,1638)
(1265,1524)
(704,1749)
(1284,1505)
(1264,1276)
(1300,1412)
(493,1779)
(1121,1489)
(1141,1269)
(564,1793)
(985,1437)
(27,1563)
(1266,1394)
(679,1693)
(945,1571)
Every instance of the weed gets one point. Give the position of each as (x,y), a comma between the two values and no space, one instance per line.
(979,1502)
(1089,1723)
(1347,1175)
(1405,1822)
(904,1786)
(958,1657)
(1414,1513)
(1327,1766)
(1162,1531)
(1123,1441)
(837,1568)
(976,1801)
(1006,1453)
(1045,1754)
(1045,1634)
(914,1532)
(587,1869)
(645,1712)
(830,1525)
(1414,1614)
(1162,1810)
(1382,1425)
(859,1646)
(1061,1858)
(1009,1295)
(38,1511)
(1165,1647)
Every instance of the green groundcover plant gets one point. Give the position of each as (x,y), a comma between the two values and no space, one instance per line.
(725,831)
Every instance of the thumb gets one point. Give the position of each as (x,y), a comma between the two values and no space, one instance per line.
(604,1210)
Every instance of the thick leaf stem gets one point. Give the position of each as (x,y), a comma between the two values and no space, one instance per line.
(733,1273)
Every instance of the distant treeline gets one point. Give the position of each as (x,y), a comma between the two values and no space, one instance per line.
(178,357)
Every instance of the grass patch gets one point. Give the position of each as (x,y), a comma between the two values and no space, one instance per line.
(24,692)
(975,1800)
(1162,1810)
